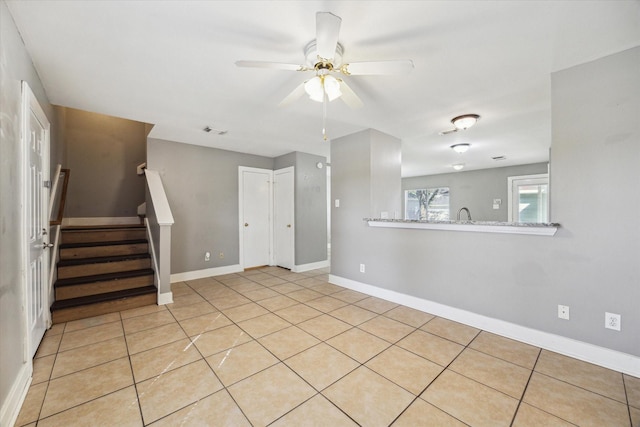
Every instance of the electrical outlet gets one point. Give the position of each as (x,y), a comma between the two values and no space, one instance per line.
(221,255)
(563,312)
(207,256)
(612,321)
(361,268)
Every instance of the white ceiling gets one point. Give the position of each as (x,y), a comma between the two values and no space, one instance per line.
(172,63)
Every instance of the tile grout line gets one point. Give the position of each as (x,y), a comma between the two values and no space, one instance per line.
(524,391)
(203,358)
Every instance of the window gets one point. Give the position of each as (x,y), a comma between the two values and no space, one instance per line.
(430,204)
(529,198)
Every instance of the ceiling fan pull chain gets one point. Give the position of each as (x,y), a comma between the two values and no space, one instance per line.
(324,116)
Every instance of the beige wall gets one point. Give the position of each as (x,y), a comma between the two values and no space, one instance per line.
(102,153)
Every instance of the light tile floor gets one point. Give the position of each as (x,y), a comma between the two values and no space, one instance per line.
(271,347)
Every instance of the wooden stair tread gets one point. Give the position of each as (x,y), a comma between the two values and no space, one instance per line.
(102,227)
(111,243)
(98,260)
(102,277)
(110,296)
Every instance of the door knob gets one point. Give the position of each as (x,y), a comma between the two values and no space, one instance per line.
(46,245)
(288,225)
(246,224)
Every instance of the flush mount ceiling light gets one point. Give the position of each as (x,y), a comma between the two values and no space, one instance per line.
(465,121)
(460,148)
(458,166)
(462,122)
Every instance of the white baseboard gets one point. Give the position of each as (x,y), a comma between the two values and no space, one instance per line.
(611,359)
(311,266)
(11,406)
(107,220)
(208,272)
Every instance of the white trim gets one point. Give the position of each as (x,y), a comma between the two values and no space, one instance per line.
(158,197)
(165,298)
(207,272)
(162,298)
(477,226)
(311,266)
(611,359)
(54,188)
(53,261)
(96,220)
(15,399)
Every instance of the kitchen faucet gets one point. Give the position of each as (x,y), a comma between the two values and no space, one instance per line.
(468,214)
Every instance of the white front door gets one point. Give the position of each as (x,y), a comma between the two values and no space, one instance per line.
(283,224)
(35,140)
(255,216)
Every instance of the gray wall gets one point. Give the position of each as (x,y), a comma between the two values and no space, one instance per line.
(102,153)
(385,158)
(359,164)
(202,188)
(475,189)
(592,262)
(310,203)
(15,65)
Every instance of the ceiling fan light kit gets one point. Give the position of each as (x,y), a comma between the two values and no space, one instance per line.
(319,86)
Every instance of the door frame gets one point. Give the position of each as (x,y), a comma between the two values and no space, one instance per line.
(241,170)
(30,102)
(292,240)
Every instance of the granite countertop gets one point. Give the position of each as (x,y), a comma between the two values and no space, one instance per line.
(492,223)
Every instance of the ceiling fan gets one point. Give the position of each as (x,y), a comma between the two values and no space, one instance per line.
(324,58)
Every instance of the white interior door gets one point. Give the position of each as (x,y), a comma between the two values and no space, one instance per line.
(35,139)
(283,224)
(255,216)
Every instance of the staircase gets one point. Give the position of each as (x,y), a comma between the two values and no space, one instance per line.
(102,269)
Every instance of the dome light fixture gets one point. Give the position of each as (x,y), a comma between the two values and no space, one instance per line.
(317,86)
(458,166)
(460,148)
(465,121)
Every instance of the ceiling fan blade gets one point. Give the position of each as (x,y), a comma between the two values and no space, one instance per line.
(373,68)
(293,96)
(349,96)
(327,32)
(271,65)
(447,132)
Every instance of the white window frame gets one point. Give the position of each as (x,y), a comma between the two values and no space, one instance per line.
(423,189)
(513,182)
